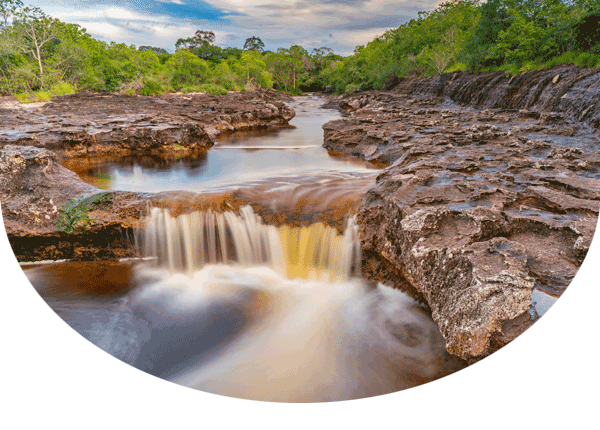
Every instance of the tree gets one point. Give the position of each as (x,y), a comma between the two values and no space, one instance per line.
(8,9)
(187,69)
(255,70)
(254,43)
(33,30)
(156,50)
(199,39)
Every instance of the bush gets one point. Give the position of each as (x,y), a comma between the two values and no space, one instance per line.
(213,89)
(458,67)
(62,88)
(43,96)
(22,97)
(150,87)
(190,89)
(581,59)
(351,88)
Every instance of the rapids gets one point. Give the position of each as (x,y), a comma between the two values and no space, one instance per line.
(228,303)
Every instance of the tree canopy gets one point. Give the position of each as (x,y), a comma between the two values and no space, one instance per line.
(42,55)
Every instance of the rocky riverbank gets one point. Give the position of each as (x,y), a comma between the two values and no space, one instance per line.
(50,213)
(491,194)
(488,203)
(88,124)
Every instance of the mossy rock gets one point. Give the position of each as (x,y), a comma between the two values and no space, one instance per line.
(75,211)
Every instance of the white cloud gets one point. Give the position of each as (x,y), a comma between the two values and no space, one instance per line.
(279,23)
(104,29)
(117,13)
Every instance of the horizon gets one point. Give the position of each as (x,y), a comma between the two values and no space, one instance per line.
(341,25)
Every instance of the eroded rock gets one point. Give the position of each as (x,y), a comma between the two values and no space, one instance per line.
(477,207)
(93,124)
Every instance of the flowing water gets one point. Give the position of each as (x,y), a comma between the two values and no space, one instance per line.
(230,304)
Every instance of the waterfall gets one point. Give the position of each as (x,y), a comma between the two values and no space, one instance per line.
(189,242)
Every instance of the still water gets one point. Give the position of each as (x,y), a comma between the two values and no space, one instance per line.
(269,158)
(228,304)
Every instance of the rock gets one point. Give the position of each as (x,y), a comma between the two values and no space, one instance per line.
(575,89)
(470,216)
(88,124)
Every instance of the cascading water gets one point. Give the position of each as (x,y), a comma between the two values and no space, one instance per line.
(229,304)
(191,241)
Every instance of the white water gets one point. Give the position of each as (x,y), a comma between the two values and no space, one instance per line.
(227,304)
(188,242)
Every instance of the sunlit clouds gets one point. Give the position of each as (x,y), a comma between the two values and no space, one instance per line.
(339,24)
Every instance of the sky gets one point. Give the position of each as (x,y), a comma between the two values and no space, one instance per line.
(338,24)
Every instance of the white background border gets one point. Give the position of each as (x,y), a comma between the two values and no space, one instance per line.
(53,377)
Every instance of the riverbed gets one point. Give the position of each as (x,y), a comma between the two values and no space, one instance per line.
(231,305)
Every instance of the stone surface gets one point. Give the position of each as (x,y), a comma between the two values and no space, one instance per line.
(36,191)
(92,124)
(477,207)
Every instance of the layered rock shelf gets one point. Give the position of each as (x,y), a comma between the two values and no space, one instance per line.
(50,213)
(100,124)
(481,205)
(488,199)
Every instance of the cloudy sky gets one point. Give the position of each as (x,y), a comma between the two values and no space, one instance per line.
(338,24)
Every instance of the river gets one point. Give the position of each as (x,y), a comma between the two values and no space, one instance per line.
(230,304)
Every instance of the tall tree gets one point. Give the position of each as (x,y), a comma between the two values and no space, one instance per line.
(199,39)
(8,9)
(254,43)
(156,50)
(33,30)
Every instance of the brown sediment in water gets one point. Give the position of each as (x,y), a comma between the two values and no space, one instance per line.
(75,278)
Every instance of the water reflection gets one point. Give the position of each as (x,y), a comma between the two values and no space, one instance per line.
(251,332)
(238,160)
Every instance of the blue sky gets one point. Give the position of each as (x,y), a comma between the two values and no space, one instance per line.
(338,24)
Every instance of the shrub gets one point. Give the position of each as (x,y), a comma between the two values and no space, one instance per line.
(22,97)
(351,88)
(43,96)
(150,87)
(458,67)
(190,89)
(75,211)
(213,89)
(62,88)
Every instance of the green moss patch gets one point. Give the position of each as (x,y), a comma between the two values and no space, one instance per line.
(75,211)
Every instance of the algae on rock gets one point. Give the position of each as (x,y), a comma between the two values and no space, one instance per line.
(75,211)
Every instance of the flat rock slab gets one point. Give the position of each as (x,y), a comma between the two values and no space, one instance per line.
(477,209)
(50,213)
(92,123)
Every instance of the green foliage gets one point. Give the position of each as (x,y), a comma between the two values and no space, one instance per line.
(577,58)
(254,43)
(187,69)
(457,67)
(40,53)
(22,97)
(151,86)
(351,88)
(212,89)
(42,96)
(190,89)
(75,213)
(62,88)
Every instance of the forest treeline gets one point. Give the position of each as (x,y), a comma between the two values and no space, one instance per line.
(41,56)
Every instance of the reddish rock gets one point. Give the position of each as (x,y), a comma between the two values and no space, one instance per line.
(479,205)
(93,124)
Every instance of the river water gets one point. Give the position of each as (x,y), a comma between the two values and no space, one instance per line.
(228,304)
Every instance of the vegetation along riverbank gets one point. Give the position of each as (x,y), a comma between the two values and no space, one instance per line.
(482,118)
